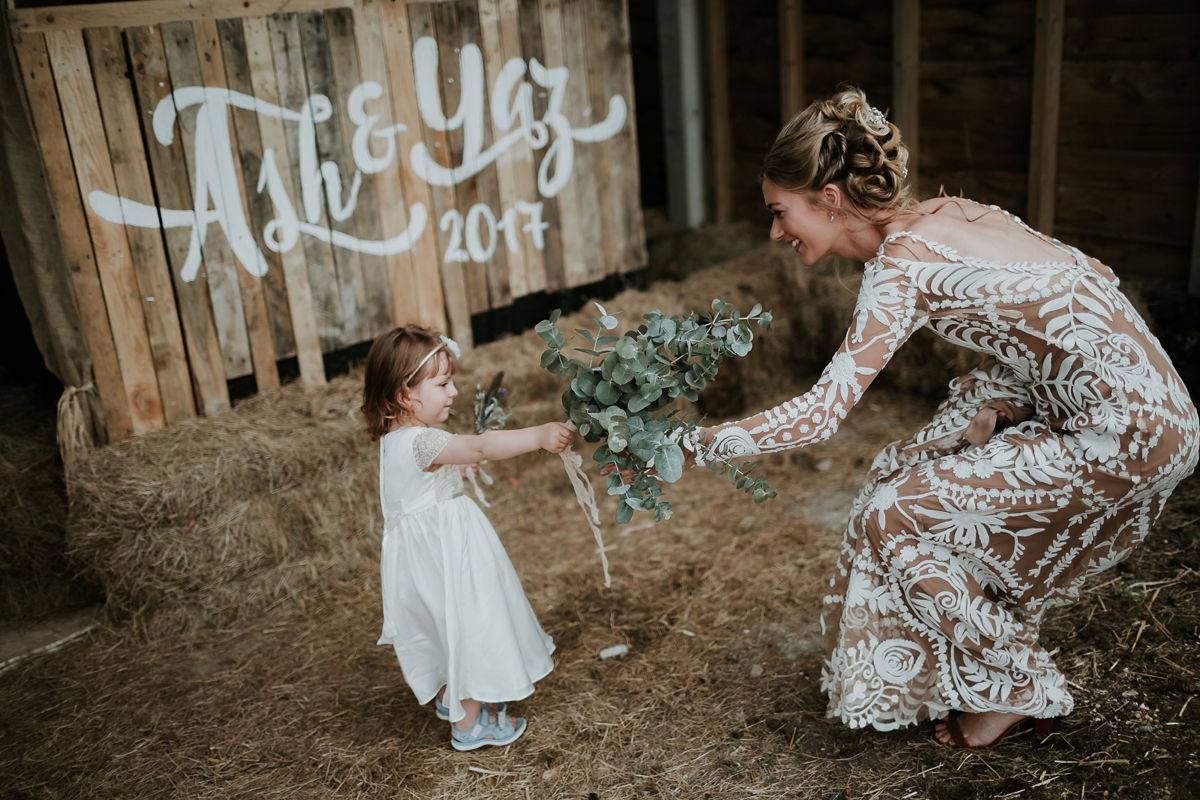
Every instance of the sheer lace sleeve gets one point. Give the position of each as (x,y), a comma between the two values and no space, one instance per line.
(428,444)
(886,314)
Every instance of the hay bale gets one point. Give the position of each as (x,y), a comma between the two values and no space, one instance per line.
(216,517)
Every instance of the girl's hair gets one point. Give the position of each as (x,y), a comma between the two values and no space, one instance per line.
(846,142)
(393,357)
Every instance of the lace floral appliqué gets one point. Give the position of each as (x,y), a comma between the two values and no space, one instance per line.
(428,444)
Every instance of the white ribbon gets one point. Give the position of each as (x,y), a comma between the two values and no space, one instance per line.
(486,479)
(586,497)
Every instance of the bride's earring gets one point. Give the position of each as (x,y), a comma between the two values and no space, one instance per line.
(831,216)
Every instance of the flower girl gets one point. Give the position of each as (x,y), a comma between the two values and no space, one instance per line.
(453,607)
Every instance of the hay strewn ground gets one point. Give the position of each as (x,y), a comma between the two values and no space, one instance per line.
(240,660)
(36,578)
(717,698)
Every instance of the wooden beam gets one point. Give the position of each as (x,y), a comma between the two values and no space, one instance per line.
(791,58)
(906,79)
(680,51)
(153,12)
(1194,285)
(718,94)
(1047,91)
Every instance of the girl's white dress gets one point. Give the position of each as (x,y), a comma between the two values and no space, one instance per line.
(453,607)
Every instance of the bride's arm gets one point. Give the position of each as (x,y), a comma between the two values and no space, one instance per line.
(885,315)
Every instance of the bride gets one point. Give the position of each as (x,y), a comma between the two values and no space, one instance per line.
(1043,467)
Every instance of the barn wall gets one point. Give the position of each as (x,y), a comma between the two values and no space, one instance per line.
(1129,135)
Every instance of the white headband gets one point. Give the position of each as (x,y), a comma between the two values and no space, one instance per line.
(447,343)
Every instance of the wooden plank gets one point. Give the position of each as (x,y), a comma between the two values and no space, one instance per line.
(529,15)
(220,265)
(906,78)
(132,175)
(393,205)
(320,79)
(292,81)
(437,309)
(154,12)
(1047,93)
(441,23)
(250,287)
(791,57)
(172,188)
(627,193)
(93,172)
(570,205)
(477,226)
(400,33)
(258,204)
(374,269)
(589,176)
(607,234)
(500,26)
(72,226)
(273,136)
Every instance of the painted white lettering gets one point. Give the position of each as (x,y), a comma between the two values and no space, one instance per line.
(475,247)
(535,226)
(366,162)
(454,252)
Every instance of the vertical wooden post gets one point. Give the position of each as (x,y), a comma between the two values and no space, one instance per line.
(791,59)
(1194,284)
(683,113)
(1047,91)
(722,129)
(906,79)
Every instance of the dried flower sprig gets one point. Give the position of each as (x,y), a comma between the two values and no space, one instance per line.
(490,413)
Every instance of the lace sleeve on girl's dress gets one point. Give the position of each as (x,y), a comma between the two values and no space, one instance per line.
(428,444)
(885,315)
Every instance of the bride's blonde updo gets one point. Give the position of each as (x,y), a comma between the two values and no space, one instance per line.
(846,142)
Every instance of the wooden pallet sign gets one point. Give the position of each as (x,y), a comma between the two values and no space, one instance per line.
(250,180)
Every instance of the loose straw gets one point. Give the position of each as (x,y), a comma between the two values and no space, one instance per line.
(586,497)
(74,428)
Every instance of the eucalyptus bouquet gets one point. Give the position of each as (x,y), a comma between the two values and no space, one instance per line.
(614,394)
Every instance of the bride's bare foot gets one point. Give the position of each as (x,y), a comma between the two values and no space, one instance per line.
(978,730)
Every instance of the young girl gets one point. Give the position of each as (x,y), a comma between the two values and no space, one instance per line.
(453,607)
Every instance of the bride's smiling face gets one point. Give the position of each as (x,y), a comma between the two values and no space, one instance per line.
(807,228)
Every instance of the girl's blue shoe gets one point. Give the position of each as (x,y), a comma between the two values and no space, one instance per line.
(486,732)
(443,711)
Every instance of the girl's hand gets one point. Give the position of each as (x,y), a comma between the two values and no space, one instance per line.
(465,469)
(555,436)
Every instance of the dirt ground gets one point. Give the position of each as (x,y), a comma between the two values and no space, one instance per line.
(717,698)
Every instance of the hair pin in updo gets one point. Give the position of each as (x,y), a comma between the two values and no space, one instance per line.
(876,117)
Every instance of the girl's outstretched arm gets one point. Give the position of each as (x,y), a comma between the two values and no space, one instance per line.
(496,445)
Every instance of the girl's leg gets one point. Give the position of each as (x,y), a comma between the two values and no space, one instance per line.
(472,707)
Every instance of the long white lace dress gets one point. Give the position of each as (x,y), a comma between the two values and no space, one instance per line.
(954,552)
(453,606)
